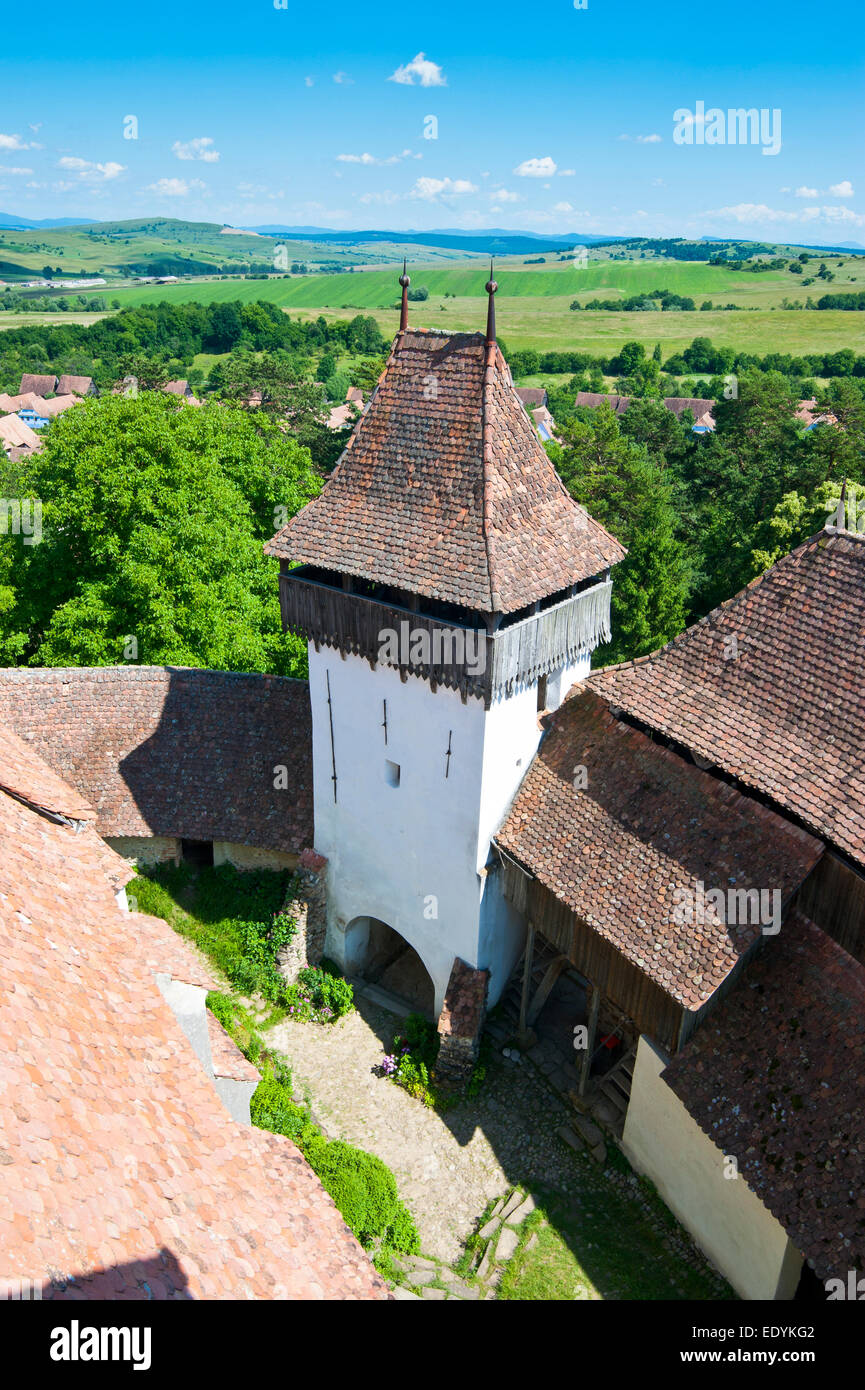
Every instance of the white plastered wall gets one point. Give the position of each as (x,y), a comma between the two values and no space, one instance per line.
(726,1219)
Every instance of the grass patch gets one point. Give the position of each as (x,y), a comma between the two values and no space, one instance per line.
(598,1243)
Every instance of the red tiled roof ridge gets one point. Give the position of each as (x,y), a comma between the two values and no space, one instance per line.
(833,532)
(761,712)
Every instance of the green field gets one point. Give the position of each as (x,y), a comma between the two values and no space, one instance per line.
(533,303)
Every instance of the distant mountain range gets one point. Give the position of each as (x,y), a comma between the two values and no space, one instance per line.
(492,240)
(9,221)
(500,241)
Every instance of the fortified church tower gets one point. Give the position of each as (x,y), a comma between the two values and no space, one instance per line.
(450,589)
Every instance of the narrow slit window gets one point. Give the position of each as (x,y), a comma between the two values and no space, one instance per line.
(391,773)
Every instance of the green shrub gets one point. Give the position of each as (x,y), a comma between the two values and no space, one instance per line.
(319,994)
(364,1189)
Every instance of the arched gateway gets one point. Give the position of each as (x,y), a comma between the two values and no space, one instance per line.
(378,954)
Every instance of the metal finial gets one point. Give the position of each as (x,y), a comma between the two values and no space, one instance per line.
(491,288)
(405,281)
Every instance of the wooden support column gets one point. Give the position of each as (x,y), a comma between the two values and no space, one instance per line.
(594,1009)
(527,976)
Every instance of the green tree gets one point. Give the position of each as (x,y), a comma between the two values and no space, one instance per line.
(154,514)
(623,488)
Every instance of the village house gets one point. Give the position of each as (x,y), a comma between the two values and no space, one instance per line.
(701,408)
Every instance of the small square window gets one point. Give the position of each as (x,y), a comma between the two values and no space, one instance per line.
(391,773)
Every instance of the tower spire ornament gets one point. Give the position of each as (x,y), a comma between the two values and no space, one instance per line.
(405,281)
(491,286)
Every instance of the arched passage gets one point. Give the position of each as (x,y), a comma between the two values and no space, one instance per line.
(379,955)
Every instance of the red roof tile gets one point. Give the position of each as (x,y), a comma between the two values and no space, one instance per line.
(445,491)
(774,1077)
(787,714)
(646,824)
(120,1165)
(173,751)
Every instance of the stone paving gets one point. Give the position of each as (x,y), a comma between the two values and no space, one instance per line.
(448,1167)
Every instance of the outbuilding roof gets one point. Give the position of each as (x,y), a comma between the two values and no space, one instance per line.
(160,750)
(622,831)
(769,687)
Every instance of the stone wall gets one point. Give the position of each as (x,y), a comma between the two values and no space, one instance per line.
(308,904)
(146,849)
(250,857)
(460,1023)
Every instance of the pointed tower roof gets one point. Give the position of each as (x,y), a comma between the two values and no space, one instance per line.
(444,489)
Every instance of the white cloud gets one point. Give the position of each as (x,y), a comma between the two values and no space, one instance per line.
(562,207)
(658,183)
(537,168)
(759,212)
(753,212)
(372,159)
(428,73)
(430,189)
(504,195)
(386,198)
(842,190)
(88,171)
(567,173)
(841,214)
(199,148)
(14,142)
(642,139)
(342,79)
(805,192)
(175,188)
(309,81)
(9,169)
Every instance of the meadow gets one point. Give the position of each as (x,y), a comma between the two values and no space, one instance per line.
(533,301)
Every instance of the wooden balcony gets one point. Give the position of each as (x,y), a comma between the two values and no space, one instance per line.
(470,659)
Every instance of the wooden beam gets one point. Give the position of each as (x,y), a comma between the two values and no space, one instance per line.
(527,975)
(545,988)
(594,1009)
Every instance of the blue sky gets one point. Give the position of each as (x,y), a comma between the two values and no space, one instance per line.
(549,118)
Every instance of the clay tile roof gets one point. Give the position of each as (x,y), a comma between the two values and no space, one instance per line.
(173,751)
(445,490)
(17,434)
(532,395)
(787,715)
(774,1076)
(74,385)
(177,388)
(121,1168)
(618,404)
(58,404)
(698,405)
(38,384)
(646,824)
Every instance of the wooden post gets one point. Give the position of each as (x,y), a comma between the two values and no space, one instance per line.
(527,976)
(594,1008)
